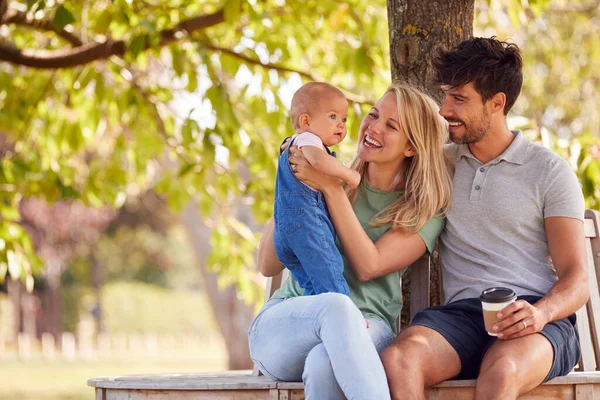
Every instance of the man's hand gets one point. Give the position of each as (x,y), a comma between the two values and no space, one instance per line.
(519,319)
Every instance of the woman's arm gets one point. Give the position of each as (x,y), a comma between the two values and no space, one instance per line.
(268,263)
(395,250)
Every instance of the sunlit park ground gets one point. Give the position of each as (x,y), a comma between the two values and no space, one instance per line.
(61,380)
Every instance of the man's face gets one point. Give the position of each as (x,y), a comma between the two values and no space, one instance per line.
(468,117)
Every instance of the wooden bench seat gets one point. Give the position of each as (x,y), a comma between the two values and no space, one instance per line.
(244,385)
(583,384)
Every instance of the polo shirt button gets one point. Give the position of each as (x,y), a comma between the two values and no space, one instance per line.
(477,187)
(481,169)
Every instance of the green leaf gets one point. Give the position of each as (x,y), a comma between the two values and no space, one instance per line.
(178,60)
(62,17)
(186,169)
(137,45)
(102,22)
(232,10)
(192,79)
(40,5)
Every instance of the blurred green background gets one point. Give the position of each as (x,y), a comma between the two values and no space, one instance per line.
(137,162)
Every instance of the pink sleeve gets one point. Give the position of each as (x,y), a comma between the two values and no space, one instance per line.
(308,139)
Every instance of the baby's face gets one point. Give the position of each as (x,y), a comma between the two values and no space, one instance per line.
(329,123)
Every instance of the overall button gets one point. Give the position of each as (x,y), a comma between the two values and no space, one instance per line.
(477,187)
(481,169)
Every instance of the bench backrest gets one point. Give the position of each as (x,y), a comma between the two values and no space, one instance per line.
(588,317)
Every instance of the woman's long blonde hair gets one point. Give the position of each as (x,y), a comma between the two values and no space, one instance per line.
(426,176)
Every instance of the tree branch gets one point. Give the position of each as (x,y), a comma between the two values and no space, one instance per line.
(90,52)
(250,60)
(20,18)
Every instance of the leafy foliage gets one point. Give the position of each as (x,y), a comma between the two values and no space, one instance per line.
(560,97)
(190,98)
(197,118)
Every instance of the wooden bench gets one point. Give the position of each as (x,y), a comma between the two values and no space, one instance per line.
(582,384)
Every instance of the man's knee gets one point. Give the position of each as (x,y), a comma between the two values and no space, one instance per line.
(500,370)
(405,354)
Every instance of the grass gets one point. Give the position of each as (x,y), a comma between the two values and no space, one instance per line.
(62,380)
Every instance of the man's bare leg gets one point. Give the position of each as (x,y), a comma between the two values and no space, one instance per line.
(419,357)
(513,367)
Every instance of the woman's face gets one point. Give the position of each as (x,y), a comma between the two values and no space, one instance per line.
(381,140)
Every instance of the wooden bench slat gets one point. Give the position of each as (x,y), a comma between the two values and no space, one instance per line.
(121,394)
(584,392)
(590,229)
(593,305)
(594,216)
(229,380)
(586,363)
(419,283)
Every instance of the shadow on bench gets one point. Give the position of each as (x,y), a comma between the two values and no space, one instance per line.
(583,384)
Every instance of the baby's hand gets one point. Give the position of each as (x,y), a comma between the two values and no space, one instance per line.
(354,181)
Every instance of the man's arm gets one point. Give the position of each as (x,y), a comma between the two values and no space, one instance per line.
(566,243)
(328,165)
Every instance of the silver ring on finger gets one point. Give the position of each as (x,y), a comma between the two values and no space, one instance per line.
(294,168)
(524,324)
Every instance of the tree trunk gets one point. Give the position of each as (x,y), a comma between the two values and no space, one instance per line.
(233,316)
(97,282)
(417,28)
(54,310)
(15,289)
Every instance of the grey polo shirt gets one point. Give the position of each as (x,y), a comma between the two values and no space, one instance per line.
(495,234)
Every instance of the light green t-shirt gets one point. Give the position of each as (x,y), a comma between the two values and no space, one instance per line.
(379,298)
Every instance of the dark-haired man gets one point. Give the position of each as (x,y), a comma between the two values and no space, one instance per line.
(516,221)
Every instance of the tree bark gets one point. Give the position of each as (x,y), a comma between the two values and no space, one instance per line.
(233,316)
(15,289)
(90,52)
(417,28)
(54,310)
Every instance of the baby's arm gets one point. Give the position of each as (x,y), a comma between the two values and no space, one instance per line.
(329,165)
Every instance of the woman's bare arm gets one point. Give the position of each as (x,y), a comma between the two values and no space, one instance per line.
(268,263)
(395,250)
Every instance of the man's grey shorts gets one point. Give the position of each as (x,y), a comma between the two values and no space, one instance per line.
(461,324)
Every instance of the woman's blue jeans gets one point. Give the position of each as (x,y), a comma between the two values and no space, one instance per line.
(322,340)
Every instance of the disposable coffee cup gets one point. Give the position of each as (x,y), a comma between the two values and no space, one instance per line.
(493,300)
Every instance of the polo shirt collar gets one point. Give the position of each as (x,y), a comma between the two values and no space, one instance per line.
(515,153)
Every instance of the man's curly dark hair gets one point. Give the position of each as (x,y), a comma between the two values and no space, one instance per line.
(492,65)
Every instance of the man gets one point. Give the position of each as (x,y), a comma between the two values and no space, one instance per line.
(516,221)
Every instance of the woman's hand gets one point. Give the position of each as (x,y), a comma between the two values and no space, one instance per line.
(308,175)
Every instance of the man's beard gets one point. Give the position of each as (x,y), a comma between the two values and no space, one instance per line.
(479,130)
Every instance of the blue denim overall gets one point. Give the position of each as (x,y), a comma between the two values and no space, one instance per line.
(304,234)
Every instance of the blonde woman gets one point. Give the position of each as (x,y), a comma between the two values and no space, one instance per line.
(385,224)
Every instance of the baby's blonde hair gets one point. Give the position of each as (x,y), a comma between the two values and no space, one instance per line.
(428,182)
(308,99)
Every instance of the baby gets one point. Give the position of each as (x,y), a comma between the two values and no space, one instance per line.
(304,234)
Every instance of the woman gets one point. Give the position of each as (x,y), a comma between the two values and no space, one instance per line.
(384,225)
